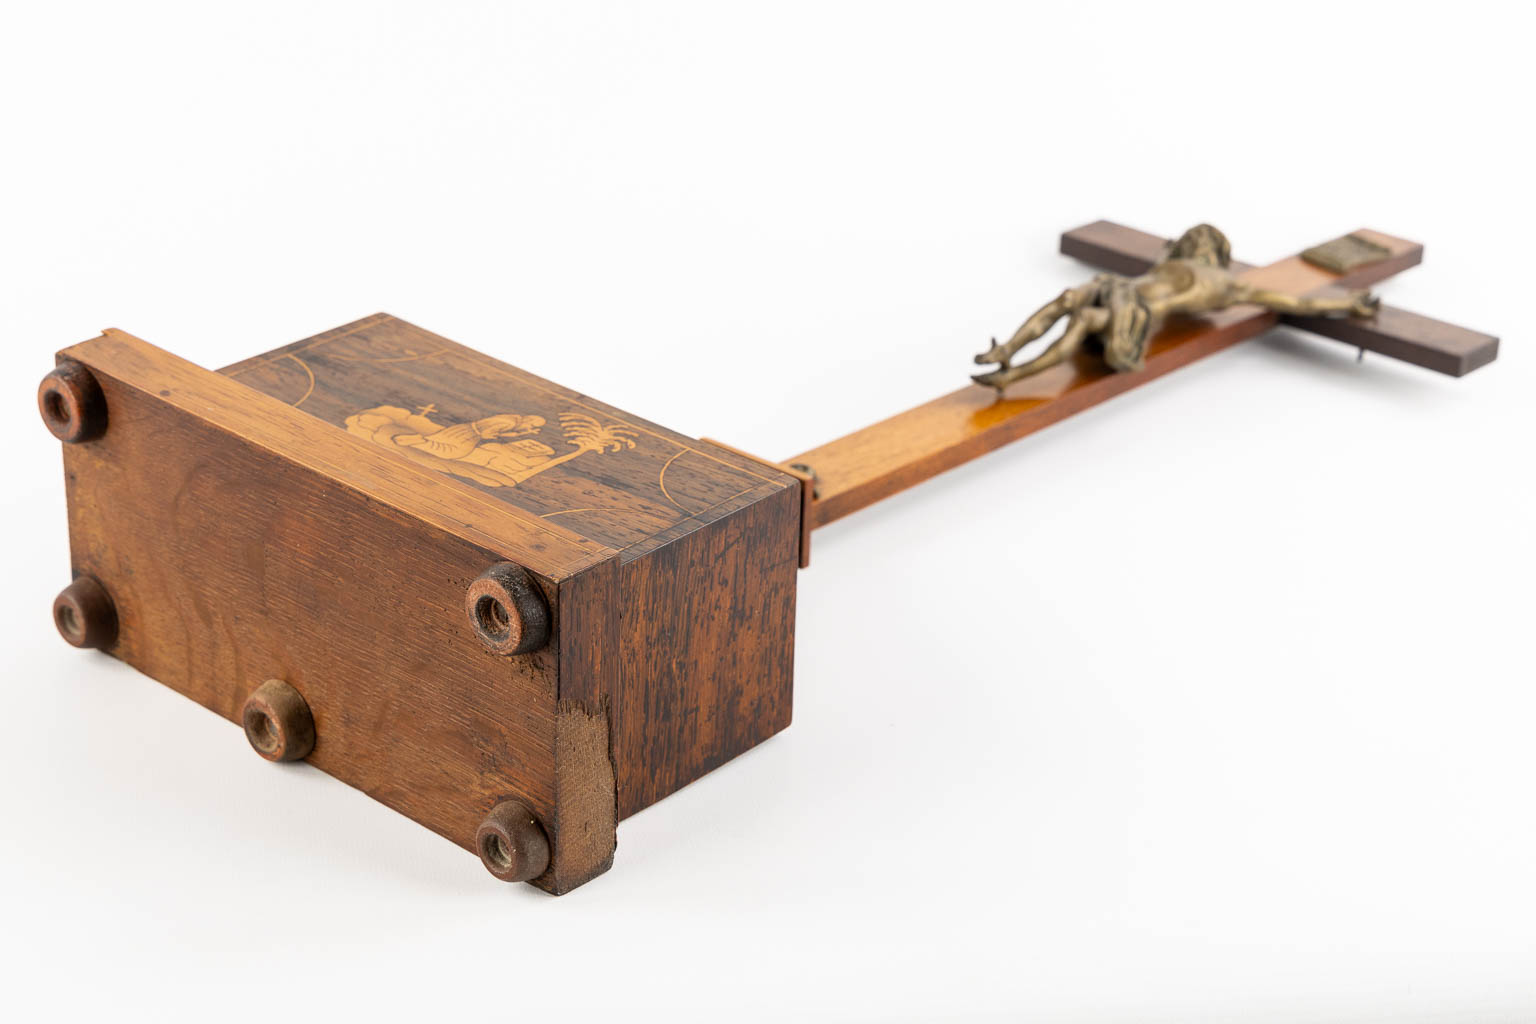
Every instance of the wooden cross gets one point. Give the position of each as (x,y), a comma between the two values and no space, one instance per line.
(517,614)
(892,455)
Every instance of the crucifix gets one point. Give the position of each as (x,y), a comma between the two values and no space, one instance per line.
(878,461)
(518,615)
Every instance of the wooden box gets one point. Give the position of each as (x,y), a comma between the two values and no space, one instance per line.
(488,590)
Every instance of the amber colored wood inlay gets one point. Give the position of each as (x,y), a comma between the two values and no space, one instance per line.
(558,455)
(443,501)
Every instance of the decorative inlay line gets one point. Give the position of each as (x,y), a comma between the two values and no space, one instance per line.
(661,480)
(309,373)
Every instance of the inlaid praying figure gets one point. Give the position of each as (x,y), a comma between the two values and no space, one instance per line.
(1119,315)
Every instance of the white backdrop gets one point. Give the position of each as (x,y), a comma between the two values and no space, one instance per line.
(1225,709)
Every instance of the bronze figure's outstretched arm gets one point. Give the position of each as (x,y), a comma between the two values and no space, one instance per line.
(1356,303)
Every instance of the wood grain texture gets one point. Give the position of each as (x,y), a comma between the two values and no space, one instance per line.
(648,483)
(249,536)
(683,645)
(234,555)
(883,459)
(708,639)
(586,795)
(1411,338)
(1116,248)
(694,664)
(591,675)
(444,502)
(807,494)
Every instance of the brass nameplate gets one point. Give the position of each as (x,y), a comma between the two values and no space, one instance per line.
(1345,254)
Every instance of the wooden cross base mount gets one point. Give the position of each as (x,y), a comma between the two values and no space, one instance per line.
(511,612)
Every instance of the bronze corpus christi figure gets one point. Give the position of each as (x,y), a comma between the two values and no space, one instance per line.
(1120,314)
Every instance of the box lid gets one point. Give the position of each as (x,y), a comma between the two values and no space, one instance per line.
(601,473)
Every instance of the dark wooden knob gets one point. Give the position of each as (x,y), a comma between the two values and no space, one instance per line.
(512,843)
(71,404)
(85,614)
(507,610)
(278,723)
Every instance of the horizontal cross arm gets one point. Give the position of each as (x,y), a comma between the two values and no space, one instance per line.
(1396,333)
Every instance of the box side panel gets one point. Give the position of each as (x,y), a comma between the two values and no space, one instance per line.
(708,624)
(230,564)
